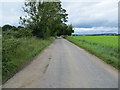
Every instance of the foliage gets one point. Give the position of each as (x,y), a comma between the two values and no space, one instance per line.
(9,46)
(9,27)
(20,44)
(18,51)
(100,46)
(69,30)
(18,47)
(20,27)
(45,19)
(6,27)
(23,32)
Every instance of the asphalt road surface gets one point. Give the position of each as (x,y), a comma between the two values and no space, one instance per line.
(65,65)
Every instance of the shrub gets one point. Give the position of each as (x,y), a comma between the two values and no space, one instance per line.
(9,46)
(23,32)
(9,33)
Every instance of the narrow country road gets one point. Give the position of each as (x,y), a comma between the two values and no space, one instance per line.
(65,65)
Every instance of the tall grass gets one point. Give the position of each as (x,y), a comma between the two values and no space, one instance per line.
(18,51)
(99,46)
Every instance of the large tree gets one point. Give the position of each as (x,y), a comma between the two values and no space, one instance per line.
(44,18)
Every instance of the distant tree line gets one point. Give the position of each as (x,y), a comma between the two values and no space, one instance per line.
(9,31)
(8,27)
(45,19)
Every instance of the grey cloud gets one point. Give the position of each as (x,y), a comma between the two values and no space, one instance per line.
(96,30)
(92,14)
(81,14)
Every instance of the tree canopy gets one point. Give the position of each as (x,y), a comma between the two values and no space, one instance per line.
(7,27)
(46,19)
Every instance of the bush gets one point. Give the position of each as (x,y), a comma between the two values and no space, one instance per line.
(22,32)
(9,47)
(64,36)
(18,51)
(6,27)
(9,33)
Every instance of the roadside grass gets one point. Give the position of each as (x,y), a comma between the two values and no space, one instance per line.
(93,44)
(16,57)
(0,59)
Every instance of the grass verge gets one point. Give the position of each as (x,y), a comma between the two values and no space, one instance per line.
(17,55)
(107,54)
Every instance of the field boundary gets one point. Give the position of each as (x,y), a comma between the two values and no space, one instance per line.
(96,54)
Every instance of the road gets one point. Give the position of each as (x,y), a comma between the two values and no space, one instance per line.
(65,65)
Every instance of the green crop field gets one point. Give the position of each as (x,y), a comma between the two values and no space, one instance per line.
(109,41)
(104,47)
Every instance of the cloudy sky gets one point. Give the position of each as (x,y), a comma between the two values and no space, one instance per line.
(87,16)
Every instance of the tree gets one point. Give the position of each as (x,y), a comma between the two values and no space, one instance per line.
(7,27)
(44,18)
(69,30)
(14,28)
(20,27)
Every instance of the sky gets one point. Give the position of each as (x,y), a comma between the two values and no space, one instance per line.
(87,16)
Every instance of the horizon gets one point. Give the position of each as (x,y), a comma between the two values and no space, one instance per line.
(86,17)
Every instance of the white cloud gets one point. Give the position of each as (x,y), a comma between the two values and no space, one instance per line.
(12,0)
(98,15)
(95,30)
(88,0)
(10,13)
(89,14)
(60,0)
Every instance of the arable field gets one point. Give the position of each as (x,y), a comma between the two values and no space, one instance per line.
(104,47)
